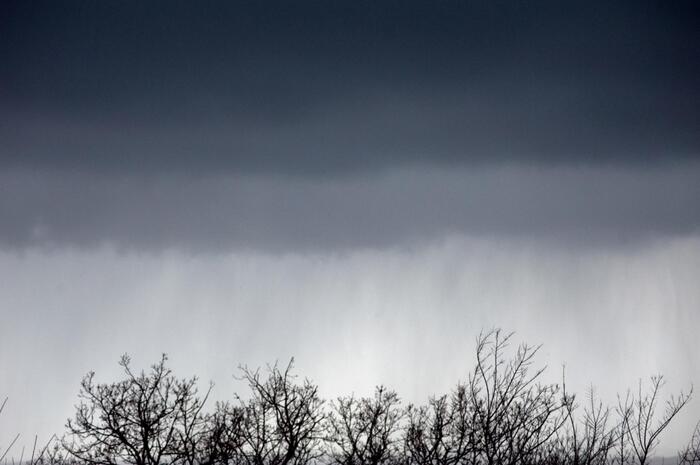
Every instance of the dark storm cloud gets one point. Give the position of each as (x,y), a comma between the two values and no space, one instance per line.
(334,87)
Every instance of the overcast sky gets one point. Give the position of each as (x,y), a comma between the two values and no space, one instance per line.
(364,185)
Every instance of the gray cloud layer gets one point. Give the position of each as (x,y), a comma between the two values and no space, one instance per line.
(570,205)
(331,87)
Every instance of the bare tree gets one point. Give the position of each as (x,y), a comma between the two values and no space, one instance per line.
(146,419)
(639,426)
(514,414)
(502,415)
(588,440)
(691,454)
(622,454)
(442,432)
(56,454)
(283,420)
(223,441)
(427,435)
(363,431)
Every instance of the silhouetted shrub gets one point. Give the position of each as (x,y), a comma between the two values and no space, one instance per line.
(149,418)
(691,454)
(503,414)
(364,431)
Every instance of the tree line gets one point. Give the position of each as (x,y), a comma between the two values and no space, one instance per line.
(502,414)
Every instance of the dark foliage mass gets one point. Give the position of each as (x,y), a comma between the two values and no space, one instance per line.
(503,413)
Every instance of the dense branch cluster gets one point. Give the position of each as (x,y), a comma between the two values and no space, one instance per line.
(502,414)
